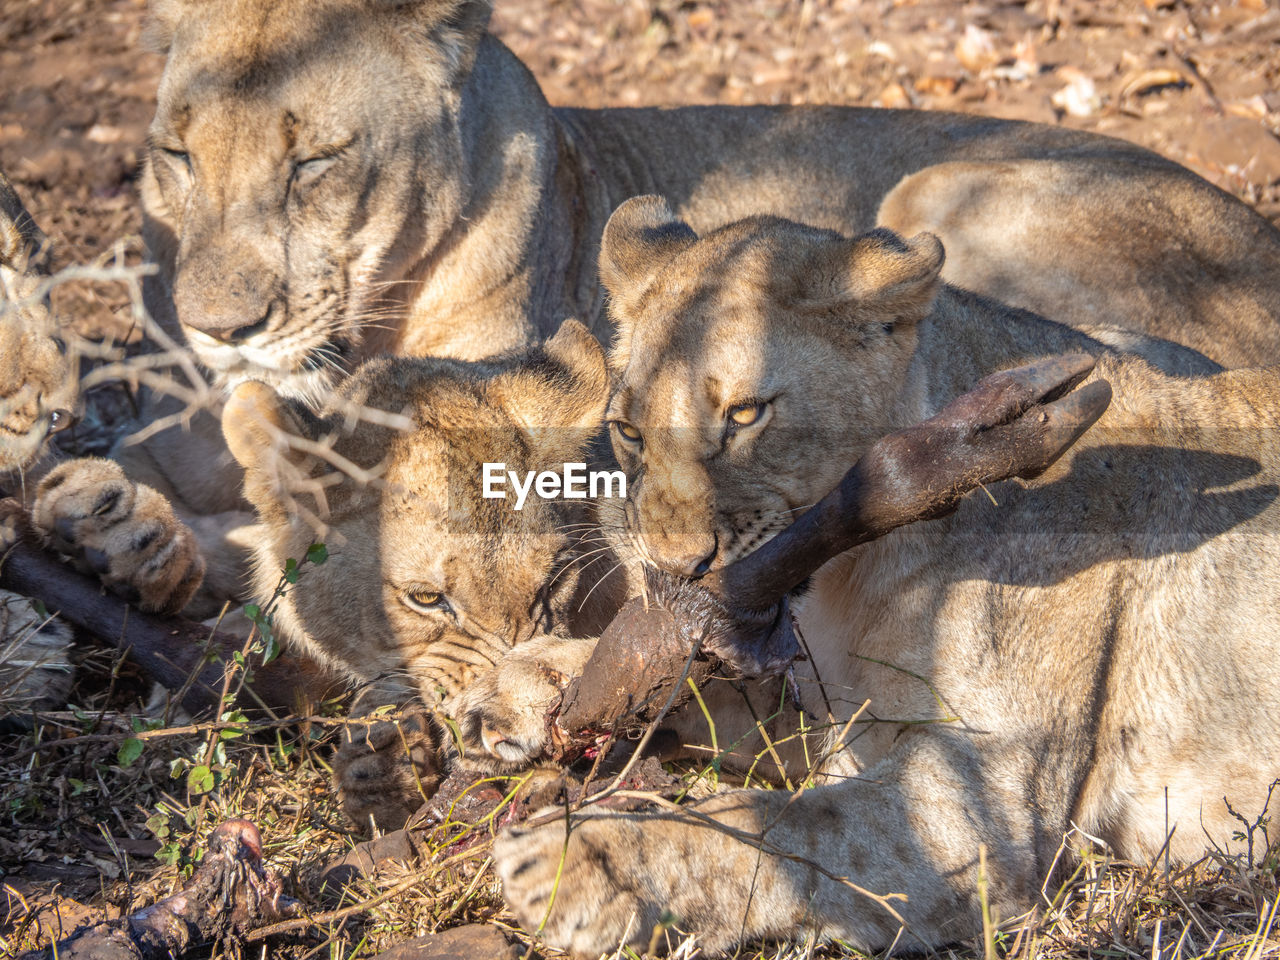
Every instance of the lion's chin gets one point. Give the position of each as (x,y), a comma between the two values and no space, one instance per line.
(312,387)
(306,376)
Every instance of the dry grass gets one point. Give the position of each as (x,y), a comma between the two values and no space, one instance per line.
(103,809)
(109,808)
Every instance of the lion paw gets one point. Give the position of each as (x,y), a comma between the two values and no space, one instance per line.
(625,877)
(387,769)
(604,896)
(124,532)
(503,715)
(13,522)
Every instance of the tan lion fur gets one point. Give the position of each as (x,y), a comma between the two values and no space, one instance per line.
(38,395)
(504,577)
(124,532)
(38,386)
(398,143)
(1089,649)
(329,180)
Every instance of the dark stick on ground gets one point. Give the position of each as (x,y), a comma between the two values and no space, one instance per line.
(169,649)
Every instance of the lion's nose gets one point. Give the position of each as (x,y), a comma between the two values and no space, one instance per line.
(228,297)
(694,561)
(230,327)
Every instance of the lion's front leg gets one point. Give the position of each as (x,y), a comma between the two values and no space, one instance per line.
(124,532)
(386,768)
(626,874)
(891,856)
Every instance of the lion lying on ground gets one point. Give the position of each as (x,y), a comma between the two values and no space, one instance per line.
(468,581)
(428,584)
(1006,702)
(38,385)
(326,182)
(1090,649)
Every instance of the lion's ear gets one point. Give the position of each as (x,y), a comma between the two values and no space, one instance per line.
(641,237)
(263,433)
(23,246)
(557,397)
(887,278)
(457,25)
(163,17)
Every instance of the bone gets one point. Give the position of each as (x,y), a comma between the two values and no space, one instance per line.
(1015,423)
(232,892)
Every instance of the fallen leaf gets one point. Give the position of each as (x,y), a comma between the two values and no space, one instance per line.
(1255,108)
(1149,80)
(104,133)
(1079,97)
(976,50)
(701,18)
(893,97)
(937,86)
(881,49)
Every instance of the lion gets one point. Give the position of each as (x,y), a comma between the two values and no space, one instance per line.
(428,583)
(327,182)
(1090,650)
(38,387)
(151,558)
(38,396)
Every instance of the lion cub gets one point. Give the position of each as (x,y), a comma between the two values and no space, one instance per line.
(124,532)
(1095,648)
(428,584)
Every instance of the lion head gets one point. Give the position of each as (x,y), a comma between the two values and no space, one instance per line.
(754,365)
(428,582)
(305,155)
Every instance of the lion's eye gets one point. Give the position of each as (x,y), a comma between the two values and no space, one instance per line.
(313,168)
(60,420)
(627,432)
(316,164)
(425,601)
(177,156)
(745,414)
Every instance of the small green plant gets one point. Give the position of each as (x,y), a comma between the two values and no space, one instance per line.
(316,554)
(132,747)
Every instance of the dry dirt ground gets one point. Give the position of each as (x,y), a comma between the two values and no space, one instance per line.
(1196,81)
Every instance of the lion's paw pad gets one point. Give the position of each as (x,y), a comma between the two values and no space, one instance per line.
(123,532)
(386,770)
